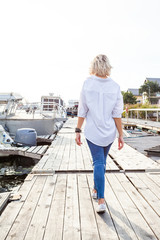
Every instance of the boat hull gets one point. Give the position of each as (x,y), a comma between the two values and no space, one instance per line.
(42,126)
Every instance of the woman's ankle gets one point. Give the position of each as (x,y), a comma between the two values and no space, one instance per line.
(101,201)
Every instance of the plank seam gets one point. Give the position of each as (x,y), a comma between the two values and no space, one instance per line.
(79,207)
(23,202)
(144,217)
(64,205)
(93,207)
(29,222)
(130,180)
(49,208)
(109,211)
(124,211)
(52,172)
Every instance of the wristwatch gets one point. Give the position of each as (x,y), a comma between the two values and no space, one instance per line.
(78,130)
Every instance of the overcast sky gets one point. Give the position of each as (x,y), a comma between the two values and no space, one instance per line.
(47,46)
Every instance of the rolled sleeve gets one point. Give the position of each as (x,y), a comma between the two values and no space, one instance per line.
(82,107)
(118,108)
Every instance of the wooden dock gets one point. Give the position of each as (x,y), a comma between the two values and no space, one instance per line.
(45,139)
(143,124)
(129,125)
(56,200)
(154,151)
(35,152)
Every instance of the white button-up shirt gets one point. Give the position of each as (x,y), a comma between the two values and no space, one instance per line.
(100,101)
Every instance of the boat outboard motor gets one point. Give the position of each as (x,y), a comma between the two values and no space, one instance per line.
(26,137)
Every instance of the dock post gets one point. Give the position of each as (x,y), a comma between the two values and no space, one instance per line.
(137,114)
(127,113)
(146,115)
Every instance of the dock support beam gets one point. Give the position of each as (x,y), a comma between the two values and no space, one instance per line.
(137,114)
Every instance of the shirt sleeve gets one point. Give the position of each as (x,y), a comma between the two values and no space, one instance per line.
(82,107)
(118,108)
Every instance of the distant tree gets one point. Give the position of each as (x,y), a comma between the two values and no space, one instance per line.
(149,87)
(129,98)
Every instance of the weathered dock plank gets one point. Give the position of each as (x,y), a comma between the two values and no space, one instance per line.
(55,222)
(32,152)
(65,162)
(129,158)
(142,205)
(37,224)
(120,220)
(46,139)
(153,186)
(89,228)
(155,177)
(125,213)
(10,213)
(144,124)
(104,221)
(22,221)
(4,197)
(71,215)
(146,192)
(49,154)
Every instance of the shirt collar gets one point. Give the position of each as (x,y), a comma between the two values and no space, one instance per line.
(99,78)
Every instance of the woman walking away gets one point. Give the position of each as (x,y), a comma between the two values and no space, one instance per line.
(101,104)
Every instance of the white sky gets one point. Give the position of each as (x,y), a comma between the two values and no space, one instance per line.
(47,46)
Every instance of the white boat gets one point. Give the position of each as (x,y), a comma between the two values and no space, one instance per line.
(5,142)
(40,116)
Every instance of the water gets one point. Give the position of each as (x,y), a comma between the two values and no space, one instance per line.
(141,140)
(10,183)
(13,171)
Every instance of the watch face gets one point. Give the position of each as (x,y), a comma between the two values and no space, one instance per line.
(78,130)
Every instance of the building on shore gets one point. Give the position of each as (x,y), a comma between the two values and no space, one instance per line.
(135,92)
(153,80)
(154,98)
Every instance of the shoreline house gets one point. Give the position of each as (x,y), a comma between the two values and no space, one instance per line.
(141,98)
(135,92)
(154,98)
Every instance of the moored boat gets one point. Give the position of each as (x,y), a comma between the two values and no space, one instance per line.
(39,116)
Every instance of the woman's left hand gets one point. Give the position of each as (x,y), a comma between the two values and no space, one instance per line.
(120,143)
(78,139)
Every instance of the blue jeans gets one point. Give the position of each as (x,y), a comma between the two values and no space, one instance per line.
(99,156)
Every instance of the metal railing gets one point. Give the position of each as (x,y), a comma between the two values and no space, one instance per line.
(155,112)
(45,109)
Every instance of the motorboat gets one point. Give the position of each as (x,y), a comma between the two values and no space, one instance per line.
(41,116)
(5,142)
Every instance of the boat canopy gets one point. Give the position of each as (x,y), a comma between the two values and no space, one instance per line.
(6,97)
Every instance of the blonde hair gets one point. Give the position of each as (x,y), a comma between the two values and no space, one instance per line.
(100,66)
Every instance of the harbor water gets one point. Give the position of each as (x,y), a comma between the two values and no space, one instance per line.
(13,171)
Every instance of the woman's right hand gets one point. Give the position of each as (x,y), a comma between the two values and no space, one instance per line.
(120,143)
(78,139)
